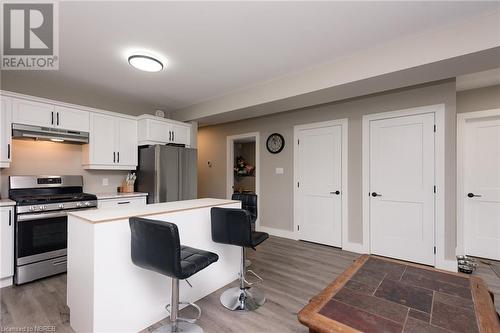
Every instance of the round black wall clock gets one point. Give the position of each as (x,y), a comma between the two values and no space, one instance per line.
(275,143)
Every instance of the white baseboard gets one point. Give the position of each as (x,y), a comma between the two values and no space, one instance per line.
(5,282)
(353,247)
(278,232)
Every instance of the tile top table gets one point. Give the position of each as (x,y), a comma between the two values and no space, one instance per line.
(382,295)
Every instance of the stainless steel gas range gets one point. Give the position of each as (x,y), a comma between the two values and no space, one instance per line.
(41,223)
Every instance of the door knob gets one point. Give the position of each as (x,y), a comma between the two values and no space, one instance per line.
(375,194)
(472,195)
(336,192)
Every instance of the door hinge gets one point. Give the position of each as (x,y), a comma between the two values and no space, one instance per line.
(434,250)
(434,128)
(434,188)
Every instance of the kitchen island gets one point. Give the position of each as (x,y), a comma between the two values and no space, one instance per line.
(106,292)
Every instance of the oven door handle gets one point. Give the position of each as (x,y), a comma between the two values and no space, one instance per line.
(40,216)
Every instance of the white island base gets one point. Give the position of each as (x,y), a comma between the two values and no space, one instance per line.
(106,292)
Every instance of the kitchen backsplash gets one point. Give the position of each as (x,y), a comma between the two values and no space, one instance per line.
(50,158)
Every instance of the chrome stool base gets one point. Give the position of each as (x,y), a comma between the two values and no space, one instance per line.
(181,327)
(247,299)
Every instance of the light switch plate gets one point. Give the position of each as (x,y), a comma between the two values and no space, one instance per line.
(105,182)
(280,171)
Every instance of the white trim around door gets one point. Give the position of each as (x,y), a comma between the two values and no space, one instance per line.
(230,167)
(462,119)
(439,175)
(344,169)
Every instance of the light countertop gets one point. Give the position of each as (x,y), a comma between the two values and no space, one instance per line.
(7,202)
(113,214)
(119,195)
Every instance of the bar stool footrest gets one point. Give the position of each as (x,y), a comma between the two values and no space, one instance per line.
(187,320)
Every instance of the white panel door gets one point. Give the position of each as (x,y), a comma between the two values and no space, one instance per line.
(102,139)
(72,119)
(402,188)
(6,242)
(482,186)
(32,113)
(126,144)
(319,202)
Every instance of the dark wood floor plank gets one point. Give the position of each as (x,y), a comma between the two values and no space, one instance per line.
(293,272)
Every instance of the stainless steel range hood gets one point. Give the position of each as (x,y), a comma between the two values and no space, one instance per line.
(48,134)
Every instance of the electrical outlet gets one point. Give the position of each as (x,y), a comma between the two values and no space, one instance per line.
(105,182)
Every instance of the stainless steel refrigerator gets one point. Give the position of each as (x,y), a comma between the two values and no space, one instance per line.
(167,173)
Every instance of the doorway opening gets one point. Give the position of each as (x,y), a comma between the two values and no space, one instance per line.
(243,171)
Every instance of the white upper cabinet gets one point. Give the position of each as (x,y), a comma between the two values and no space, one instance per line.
(29,112)
(32,113)
(72,119)
(126,142)
(181,134)
(153,130)
(112,145)
(5,131)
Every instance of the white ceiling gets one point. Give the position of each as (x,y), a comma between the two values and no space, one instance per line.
(215,48)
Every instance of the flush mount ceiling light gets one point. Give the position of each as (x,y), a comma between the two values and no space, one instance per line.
(145,63)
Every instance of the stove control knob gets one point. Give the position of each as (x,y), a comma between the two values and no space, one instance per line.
(61,206)
(42,207)
(79,204)
(87,203)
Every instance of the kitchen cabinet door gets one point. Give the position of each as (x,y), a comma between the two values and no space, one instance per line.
(126,142)
(72,119)
(32,113)
(180,134)
(5,131)
(102,139)
(7,242)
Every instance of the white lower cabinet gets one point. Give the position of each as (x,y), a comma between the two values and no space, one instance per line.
(121,202)
(6,245)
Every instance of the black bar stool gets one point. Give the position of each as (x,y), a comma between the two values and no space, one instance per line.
(155,246)
(248,203)
(233,226)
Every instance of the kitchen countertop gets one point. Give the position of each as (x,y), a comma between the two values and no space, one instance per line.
(7,202)
(113,214)
(118,195)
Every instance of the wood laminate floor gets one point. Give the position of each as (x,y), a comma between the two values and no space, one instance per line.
(293,272)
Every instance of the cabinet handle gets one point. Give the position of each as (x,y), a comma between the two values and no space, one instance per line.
(10,217)
(123,202)
(52,118)
(118,158)
(173,136)
(57,118)
(8,151)
(114,157)
(169,135)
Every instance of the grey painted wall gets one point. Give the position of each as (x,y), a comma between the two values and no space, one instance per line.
(277,190)
(478,99)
